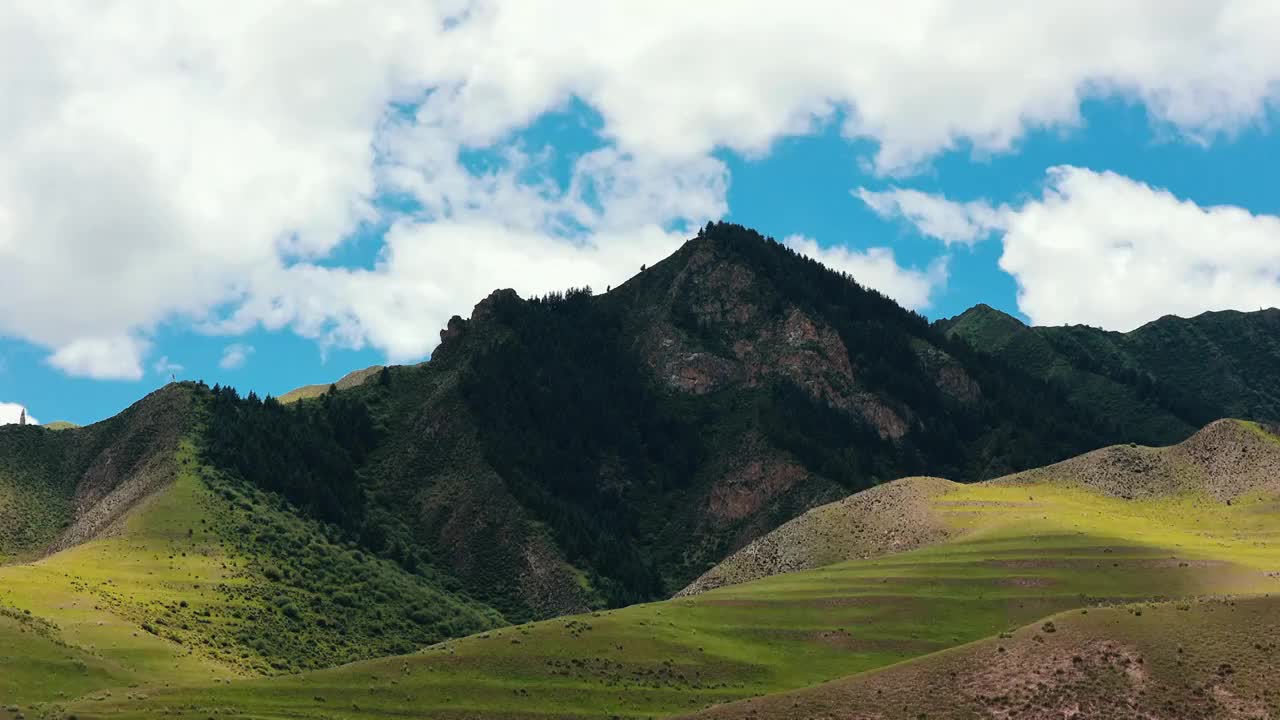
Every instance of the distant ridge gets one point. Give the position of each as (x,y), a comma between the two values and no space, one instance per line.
(348,381)
(1158,382)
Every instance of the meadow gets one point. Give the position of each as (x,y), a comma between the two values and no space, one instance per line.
(1022,552)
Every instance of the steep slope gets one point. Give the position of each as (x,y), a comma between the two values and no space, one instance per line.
(1160,381)
(1017,552)
(582,450)
(60,488)
(1207,659)
(1227,460)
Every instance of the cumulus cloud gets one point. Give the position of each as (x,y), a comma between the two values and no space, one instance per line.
(234,356)
(936,217)
(876,268)
(1106,250)
(12,412)
(200,163)
(110,358)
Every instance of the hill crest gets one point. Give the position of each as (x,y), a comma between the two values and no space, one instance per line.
(1226,460)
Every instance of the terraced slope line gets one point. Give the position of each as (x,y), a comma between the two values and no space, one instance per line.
(1226,461)
(1020,556)
(1206,659)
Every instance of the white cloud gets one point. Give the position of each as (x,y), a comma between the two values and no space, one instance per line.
(1102,249)
(109,358)
(10,413)
(234,356)
(192,162)
(165,366)
(934,216)
(876,268)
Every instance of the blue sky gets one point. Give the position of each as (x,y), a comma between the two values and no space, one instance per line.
(321,222)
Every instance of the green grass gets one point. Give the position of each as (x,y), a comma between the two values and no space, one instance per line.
(1213,658)
(35,665)
(1029,552)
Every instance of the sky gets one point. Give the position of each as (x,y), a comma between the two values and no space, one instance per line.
(270,194)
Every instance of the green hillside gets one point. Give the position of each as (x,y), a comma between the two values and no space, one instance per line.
(1019,549)
(60,487)
(1160,381)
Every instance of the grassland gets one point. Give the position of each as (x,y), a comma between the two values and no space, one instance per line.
(1019,554)
(36,665)
(1214,658)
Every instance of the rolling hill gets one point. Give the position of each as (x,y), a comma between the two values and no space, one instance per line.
(1224,461)
(1018,552)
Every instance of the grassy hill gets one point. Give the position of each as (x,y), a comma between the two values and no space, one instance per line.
(1160,381)
(1224,461)
(1018,550)
(58,488)
(202,577)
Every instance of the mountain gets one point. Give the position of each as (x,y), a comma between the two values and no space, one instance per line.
(1160,381)
(578,450)
(1049,587)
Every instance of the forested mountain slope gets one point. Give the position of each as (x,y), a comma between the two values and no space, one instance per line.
(1160,381)
(583,450)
